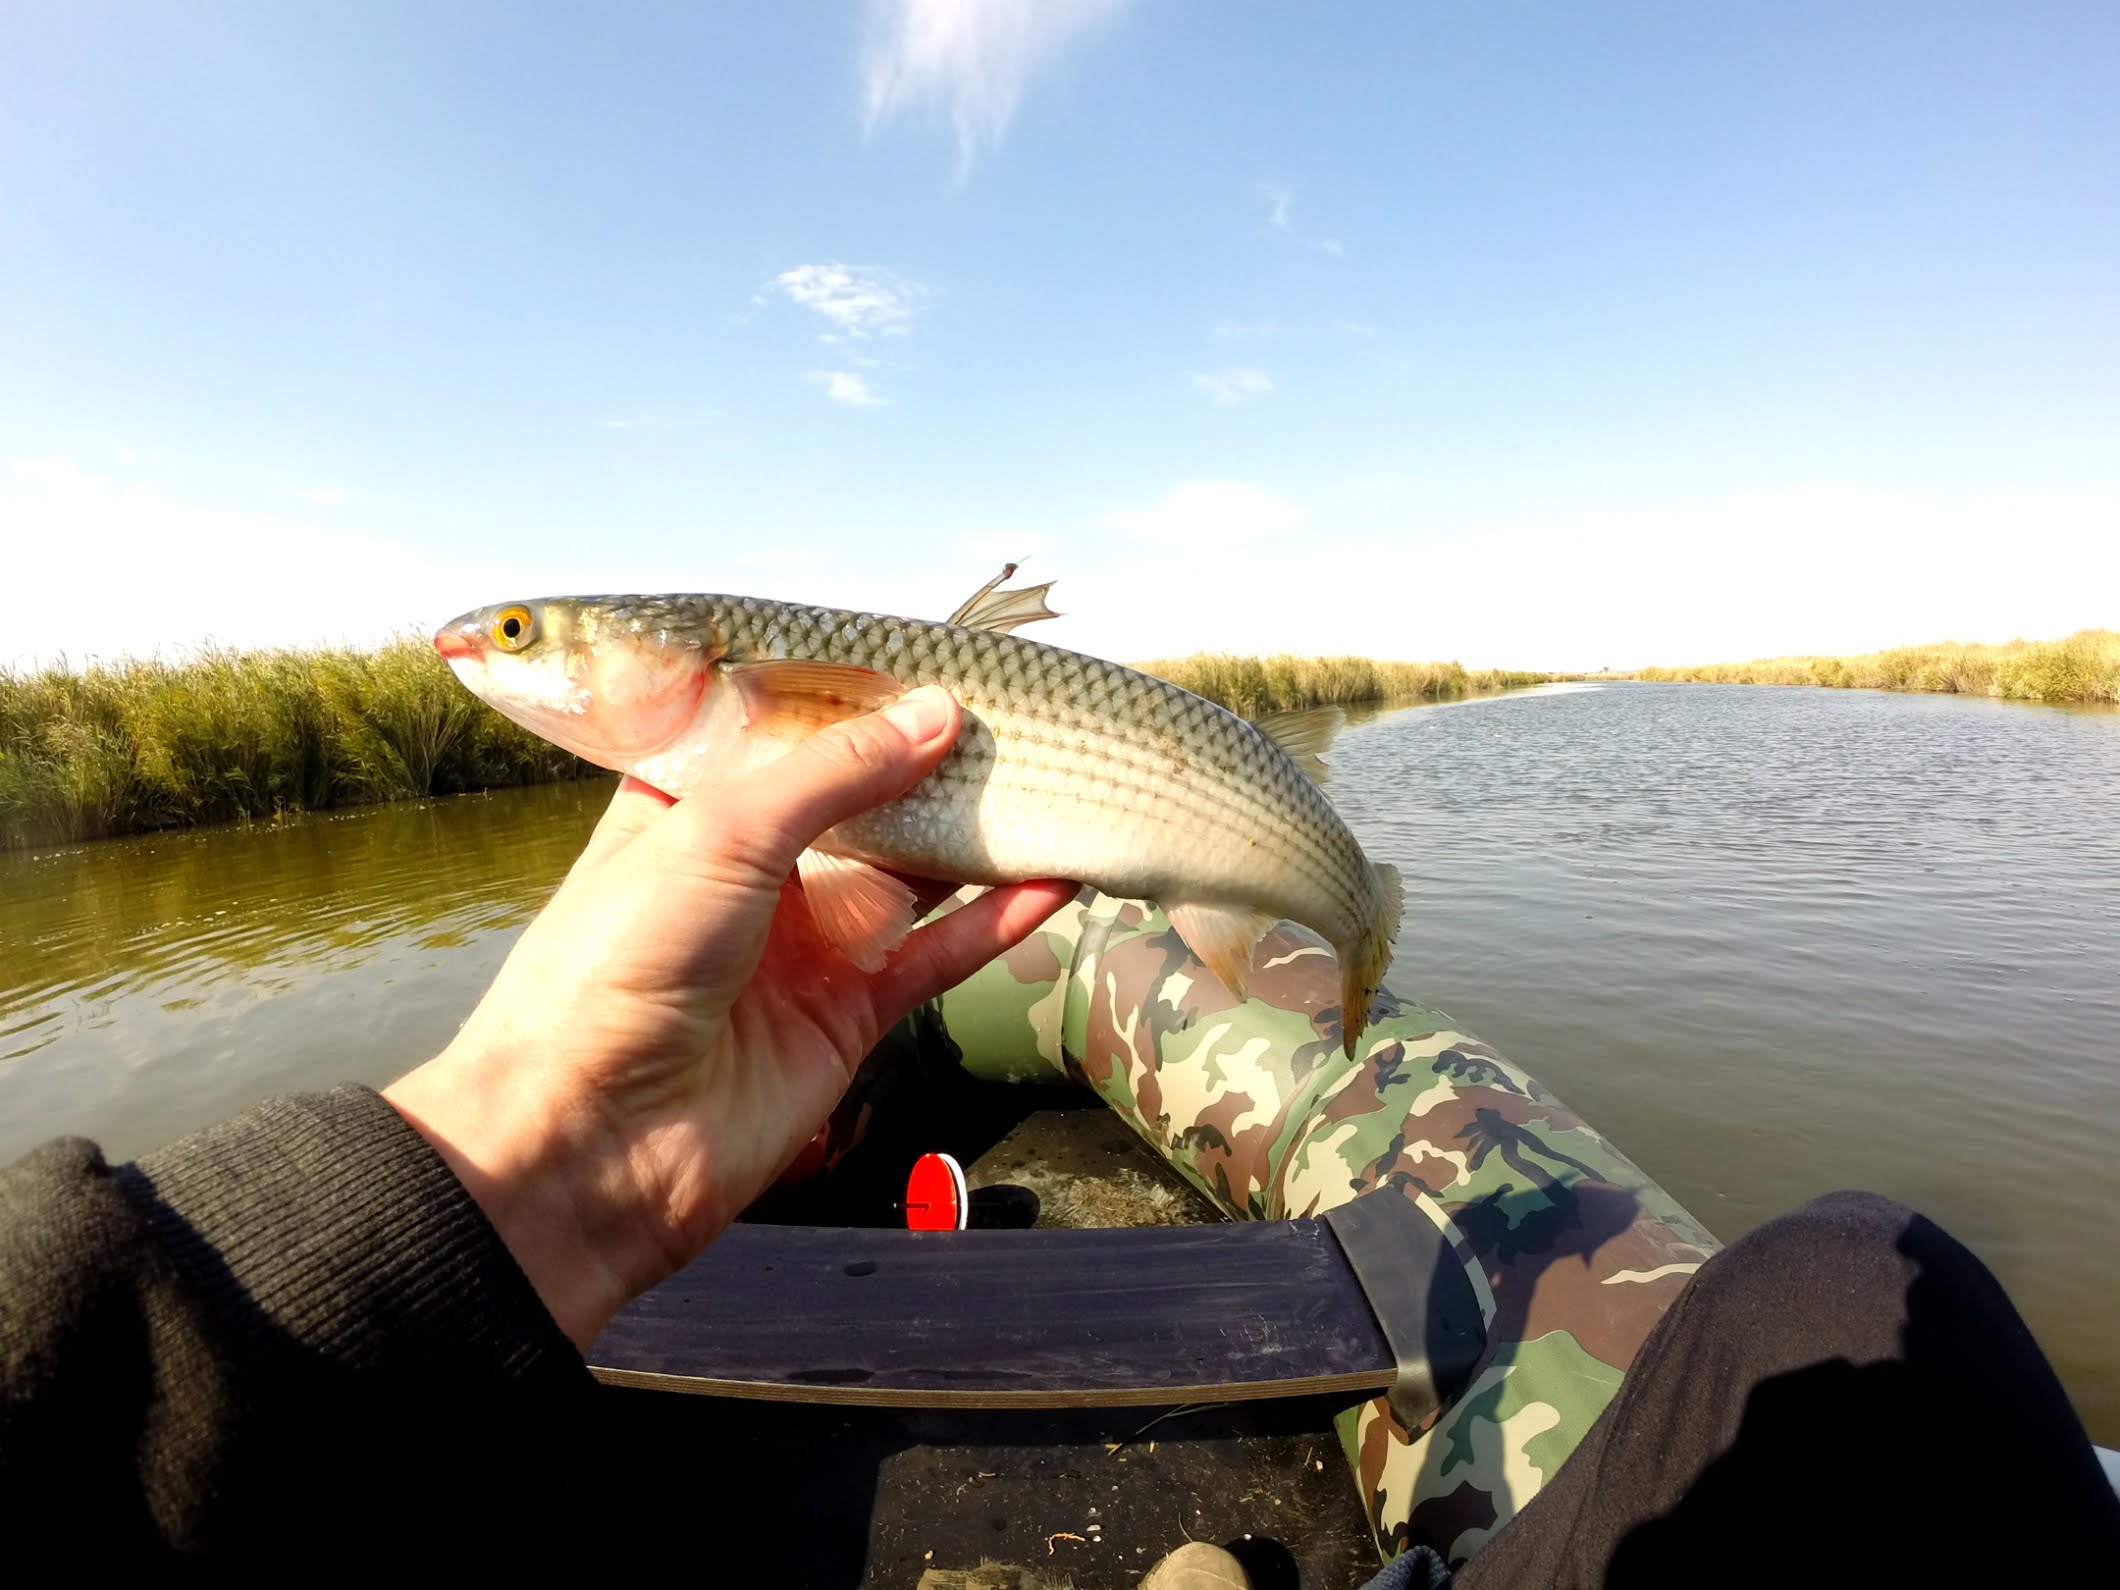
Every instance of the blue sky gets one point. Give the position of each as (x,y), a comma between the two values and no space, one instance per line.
(1539,335)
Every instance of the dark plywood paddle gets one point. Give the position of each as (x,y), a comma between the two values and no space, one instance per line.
(1050,1319)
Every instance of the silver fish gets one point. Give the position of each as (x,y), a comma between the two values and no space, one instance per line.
(1067,766)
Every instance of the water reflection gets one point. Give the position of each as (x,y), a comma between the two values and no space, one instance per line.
(150,984)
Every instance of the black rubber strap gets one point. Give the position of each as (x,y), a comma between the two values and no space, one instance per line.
(1422,1298)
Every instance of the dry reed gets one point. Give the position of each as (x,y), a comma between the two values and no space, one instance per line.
(225,735)
(2083,667)
(1253,686)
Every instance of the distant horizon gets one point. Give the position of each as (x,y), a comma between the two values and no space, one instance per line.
(177,652)
(1519,337)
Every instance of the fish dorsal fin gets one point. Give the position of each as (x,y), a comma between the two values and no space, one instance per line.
(992,608)
(1303,736)
(1223,937)
(860,911)
(799,698)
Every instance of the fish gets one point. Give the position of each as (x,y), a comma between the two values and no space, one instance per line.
(1067,766)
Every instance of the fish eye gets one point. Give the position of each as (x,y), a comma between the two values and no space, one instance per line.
(513,628)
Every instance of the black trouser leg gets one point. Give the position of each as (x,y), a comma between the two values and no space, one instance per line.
(1845,1396)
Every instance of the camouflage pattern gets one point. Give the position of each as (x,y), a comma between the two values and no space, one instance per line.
(1574,1252)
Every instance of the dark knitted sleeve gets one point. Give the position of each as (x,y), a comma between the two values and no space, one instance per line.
(254,1337)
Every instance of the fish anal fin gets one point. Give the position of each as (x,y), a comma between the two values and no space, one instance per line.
(1223,937)
(1303,735)
(860,911)
(992,608)
(800,698)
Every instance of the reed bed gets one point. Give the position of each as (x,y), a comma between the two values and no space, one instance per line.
(2083,667)
(1253,686)
(225,735)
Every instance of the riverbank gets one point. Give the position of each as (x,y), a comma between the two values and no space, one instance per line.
(1282,683)
(226,735)
(2083,667)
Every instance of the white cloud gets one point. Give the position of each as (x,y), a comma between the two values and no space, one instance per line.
(1005,546)
(171,575)
(1209,512)
(1280,200)
(632,422)
(856,301)
(1280,215)
(330,496)
(973,57)
(844,386)
(1234,386)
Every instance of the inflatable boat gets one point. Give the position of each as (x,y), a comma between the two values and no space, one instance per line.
(1496,1196)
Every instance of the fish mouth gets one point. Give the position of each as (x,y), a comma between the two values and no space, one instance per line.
(453,643)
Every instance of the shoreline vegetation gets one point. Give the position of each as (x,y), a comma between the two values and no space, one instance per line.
(1255,686)
(226,736)
(2083,667)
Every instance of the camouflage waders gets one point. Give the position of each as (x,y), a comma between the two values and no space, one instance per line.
(1574,1252)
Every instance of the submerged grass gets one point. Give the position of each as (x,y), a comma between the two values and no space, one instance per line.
(1282,683)
(2083,667)
(225,735)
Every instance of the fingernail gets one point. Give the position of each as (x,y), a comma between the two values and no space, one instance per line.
(921,715)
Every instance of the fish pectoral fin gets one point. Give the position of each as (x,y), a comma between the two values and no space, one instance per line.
(1223,937)
(803,697)
(1001,611)
(1303,736)
(862,912)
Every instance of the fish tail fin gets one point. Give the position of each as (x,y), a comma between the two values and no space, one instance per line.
(1363,962)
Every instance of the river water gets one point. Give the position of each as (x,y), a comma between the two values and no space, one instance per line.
(1771,942)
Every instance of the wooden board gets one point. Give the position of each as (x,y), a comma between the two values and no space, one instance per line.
(1006,1319)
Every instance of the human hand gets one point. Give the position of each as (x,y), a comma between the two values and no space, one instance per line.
(670,1030)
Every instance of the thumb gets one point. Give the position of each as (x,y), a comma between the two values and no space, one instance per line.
(770,817)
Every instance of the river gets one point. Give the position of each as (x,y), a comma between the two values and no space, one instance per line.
(1771,942)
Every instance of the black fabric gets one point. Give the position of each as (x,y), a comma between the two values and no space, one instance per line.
(290,1344)
(1844,1396)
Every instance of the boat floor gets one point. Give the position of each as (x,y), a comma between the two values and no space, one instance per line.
(810,1495)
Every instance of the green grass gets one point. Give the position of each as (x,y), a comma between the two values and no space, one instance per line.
(2084,667)
(1257,685)
(226,735)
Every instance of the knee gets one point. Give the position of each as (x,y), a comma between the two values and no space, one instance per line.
(1840,1249)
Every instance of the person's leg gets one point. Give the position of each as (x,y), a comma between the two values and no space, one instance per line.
(1843,1396)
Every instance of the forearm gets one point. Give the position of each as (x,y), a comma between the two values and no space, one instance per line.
(193,1346)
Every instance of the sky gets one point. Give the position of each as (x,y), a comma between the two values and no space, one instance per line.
(1529,335)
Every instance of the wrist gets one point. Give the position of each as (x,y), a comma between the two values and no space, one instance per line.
(546,1177)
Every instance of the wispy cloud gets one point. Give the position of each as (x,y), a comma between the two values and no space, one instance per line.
(1233,386)
(1208,513)
(1280,215)
(856,302)
(179,573)
(972,57)
(630,422)
(844,386)
(330,496)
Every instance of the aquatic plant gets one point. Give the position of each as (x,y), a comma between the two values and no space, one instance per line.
(223,735)
(2083,667)
(1281,683)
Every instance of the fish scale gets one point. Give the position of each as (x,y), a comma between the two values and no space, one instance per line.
(1067,765)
